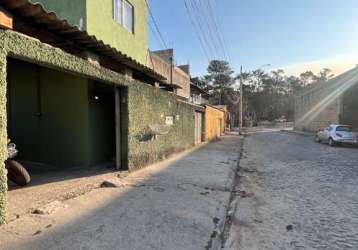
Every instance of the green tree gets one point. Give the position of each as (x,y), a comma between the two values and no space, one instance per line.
(220,78)
(308,77)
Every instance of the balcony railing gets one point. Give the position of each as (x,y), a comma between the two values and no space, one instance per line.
(197,99)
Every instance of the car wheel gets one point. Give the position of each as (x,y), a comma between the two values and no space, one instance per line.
(331,142)
(317,139)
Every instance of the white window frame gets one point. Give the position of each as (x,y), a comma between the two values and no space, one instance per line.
(121,20)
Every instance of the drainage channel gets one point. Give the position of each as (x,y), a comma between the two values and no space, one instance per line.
(223,225)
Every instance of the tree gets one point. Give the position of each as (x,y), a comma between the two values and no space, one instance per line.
(308,78)
(219,78)
(267,95)
(324,75)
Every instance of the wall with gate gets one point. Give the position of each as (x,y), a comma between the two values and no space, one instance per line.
(198,127)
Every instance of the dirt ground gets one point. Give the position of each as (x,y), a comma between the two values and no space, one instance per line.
(51,184)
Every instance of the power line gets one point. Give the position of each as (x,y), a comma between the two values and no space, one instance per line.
(205,32)
(205,22)
(197,31)
(215,36)
(156,25)
(221,37)
(154,32)
(219,23)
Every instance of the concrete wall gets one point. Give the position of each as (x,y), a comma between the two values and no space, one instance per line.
(149,106)
(183,80)
(159,63)
(97,16)
(308,113)
(349,110)
(215,122)
(328,102)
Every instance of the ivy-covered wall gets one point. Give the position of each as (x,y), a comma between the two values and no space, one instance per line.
(3,151)
(16,45)
(147,138)
(148,109)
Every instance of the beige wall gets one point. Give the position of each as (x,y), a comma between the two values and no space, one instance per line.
(215,122)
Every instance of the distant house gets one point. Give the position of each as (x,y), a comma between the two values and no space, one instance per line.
(177,77)
(197,94)
(332,102)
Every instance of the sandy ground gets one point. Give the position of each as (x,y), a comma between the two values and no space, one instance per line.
(180,203)
(294,194)
(54,185)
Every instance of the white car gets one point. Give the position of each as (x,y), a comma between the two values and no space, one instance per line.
(337,134)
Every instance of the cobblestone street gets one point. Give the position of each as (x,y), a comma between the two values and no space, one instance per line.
(295,194)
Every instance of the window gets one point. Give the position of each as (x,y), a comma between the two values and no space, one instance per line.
(124,14)
(118,11)
(128,16)
(344,129)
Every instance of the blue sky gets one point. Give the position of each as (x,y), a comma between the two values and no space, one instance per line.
(292,34)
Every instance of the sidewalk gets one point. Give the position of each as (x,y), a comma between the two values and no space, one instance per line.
(179,203)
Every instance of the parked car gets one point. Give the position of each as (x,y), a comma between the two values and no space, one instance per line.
(282,119)
(337,134)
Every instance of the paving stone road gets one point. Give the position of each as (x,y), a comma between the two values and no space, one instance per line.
(298,194)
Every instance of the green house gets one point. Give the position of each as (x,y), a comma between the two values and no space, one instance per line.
(68,100)
(119,23)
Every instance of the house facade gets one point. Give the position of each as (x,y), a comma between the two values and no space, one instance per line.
(69,99)
(197,94)
(120,23)
(177,77)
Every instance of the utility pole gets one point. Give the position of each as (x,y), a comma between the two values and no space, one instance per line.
(241,123)
(241,109)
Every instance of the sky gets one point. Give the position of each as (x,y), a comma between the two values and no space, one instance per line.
(294,35)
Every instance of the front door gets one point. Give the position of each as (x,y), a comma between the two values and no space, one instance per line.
(198,127)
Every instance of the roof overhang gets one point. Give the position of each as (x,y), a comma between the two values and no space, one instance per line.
(59,33)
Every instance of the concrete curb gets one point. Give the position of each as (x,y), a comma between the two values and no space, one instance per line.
(218,241)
